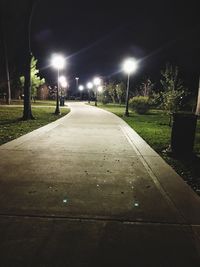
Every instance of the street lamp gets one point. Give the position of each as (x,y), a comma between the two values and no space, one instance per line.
(77,78)
(129,66)
(97,82)
(89,87)
(81,88)
(62,79)
(100,89)
(58,62)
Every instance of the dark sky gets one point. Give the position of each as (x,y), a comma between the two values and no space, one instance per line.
(95,36)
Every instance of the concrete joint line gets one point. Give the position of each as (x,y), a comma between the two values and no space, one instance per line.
(150,172)
(95,219)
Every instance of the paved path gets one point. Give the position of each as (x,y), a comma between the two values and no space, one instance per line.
(86,190)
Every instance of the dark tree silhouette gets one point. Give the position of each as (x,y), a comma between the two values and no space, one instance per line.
(27,113)
(17,21)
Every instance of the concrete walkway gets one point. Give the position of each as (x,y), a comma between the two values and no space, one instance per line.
(86,190)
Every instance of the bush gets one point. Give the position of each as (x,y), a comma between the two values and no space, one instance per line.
(140,104)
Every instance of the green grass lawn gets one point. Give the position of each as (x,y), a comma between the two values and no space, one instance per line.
(154,128)
(36,103)
(11,126)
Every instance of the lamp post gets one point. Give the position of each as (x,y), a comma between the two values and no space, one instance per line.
(77,78)
(58,62)
(81,88)
(89,86)
(129,66)
(97,82)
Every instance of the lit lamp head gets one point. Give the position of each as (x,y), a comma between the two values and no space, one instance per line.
(97,81)
(89,85)
(100,89)
(64,84)
(81,87)
(63,81)
(58,62)
(130,65)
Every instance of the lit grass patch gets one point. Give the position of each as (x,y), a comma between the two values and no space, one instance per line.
(12,127)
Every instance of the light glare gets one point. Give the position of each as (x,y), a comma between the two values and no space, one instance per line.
(64,84)
(97,81)
(62,79)
(100,89)
(89,85)
(81,87)
(58,62)
(130,65)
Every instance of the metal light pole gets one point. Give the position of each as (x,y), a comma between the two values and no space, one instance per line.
(127,96)
(77,78)
(89,86)
(81,88)
(57,111)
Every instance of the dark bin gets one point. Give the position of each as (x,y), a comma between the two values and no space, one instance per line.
(183,133)
(62,101)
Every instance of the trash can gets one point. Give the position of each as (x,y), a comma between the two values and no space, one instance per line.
(62,101)
(183,133)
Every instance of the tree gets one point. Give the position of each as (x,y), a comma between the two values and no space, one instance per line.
(146,87)
(120,91)
(111,88)
(5,48)
(198,101)
(27,112)
(36,81)
(173,90)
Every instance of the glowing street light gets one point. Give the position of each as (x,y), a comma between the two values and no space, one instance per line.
(97,82)
(129,66)
(62,79)
(89,87)
(81,88)
(58,62)
(100,89)
(77,78)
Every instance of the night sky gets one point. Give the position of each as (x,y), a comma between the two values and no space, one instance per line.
(96,36)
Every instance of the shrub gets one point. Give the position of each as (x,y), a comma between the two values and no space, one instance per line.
(140,104)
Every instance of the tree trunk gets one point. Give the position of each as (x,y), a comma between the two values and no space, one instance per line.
(7,73)
(198,101)
(27,114)
(3,30)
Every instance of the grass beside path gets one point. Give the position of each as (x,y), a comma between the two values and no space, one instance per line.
(33,103)
(12,127)
(154,129)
